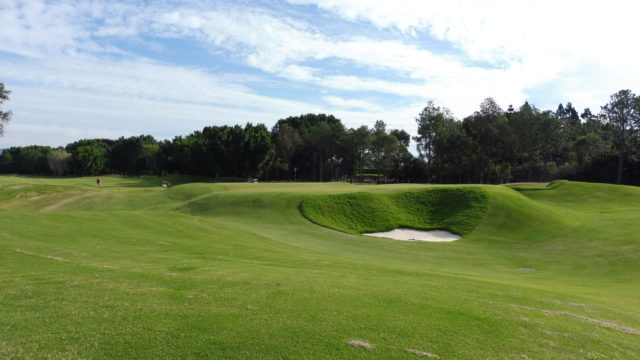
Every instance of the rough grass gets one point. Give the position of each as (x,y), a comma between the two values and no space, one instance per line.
(233,271)
(457,210)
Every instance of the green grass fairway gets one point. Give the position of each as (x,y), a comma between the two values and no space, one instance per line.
(236,271)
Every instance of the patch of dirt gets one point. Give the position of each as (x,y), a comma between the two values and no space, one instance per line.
(592,356)
(31,197)
(603,323)
(66,201)
(41,255)
(549,342)
(555,334)
(423,354)
(558,302)
(578,304)
(170,274)
(551,301)
(359,344)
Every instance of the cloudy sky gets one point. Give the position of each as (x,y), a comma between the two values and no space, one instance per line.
(85,69)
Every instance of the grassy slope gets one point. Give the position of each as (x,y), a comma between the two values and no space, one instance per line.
(457,209)
(233,271)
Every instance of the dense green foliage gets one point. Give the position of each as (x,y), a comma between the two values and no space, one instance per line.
(233,271)
(489,146)
(322,149)
(526,144)
(457,210)
(89,160)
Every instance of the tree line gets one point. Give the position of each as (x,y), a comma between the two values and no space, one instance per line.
(526,144)
(312,147)
(492,145)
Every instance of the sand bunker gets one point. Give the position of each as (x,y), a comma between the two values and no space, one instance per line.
(417,235)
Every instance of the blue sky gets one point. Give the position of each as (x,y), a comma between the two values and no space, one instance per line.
(84,69)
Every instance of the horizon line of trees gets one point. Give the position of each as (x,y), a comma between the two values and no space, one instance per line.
(526,144)
(311,147)
(491,145)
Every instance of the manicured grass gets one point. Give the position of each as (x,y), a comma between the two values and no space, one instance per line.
(458,210)
(234,271)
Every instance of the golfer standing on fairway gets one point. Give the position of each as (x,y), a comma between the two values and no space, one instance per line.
(98,182)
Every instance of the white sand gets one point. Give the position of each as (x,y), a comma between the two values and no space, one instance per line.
(417,235)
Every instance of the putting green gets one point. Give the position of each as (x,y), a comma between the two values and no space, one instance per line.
(235,271)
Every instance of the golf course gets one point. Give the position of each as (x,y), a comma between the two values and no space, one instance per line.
(203,270)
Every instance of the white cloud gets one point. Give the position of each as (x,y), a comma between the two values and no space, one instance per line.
(275,45)
(298,73)
(536,42)
(350,103)
(279,47)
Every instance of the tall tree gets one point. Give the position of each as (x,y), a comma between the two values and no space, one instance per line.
(257,146)
(6,162)
(589,148)
(150,158)
(321,134)
(454,153)
(488,127)
(217,158)
(401,156)
(524,124)
(623,113)
(127,155)
(5,116)
(402,136)
(384,149)
(536,141)
(430,121)
(357,146)
(287,140)
(30,159)
(58,161)
(88,160)
(321,138)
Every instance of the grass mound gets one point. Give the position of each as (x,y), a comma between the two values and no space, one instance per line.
(457,209)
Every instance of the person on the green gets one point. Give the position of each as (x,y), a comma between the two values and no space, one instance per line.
(98,181)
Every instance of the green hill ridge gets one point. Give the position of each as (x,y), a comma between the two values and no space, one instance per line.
(456,209)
